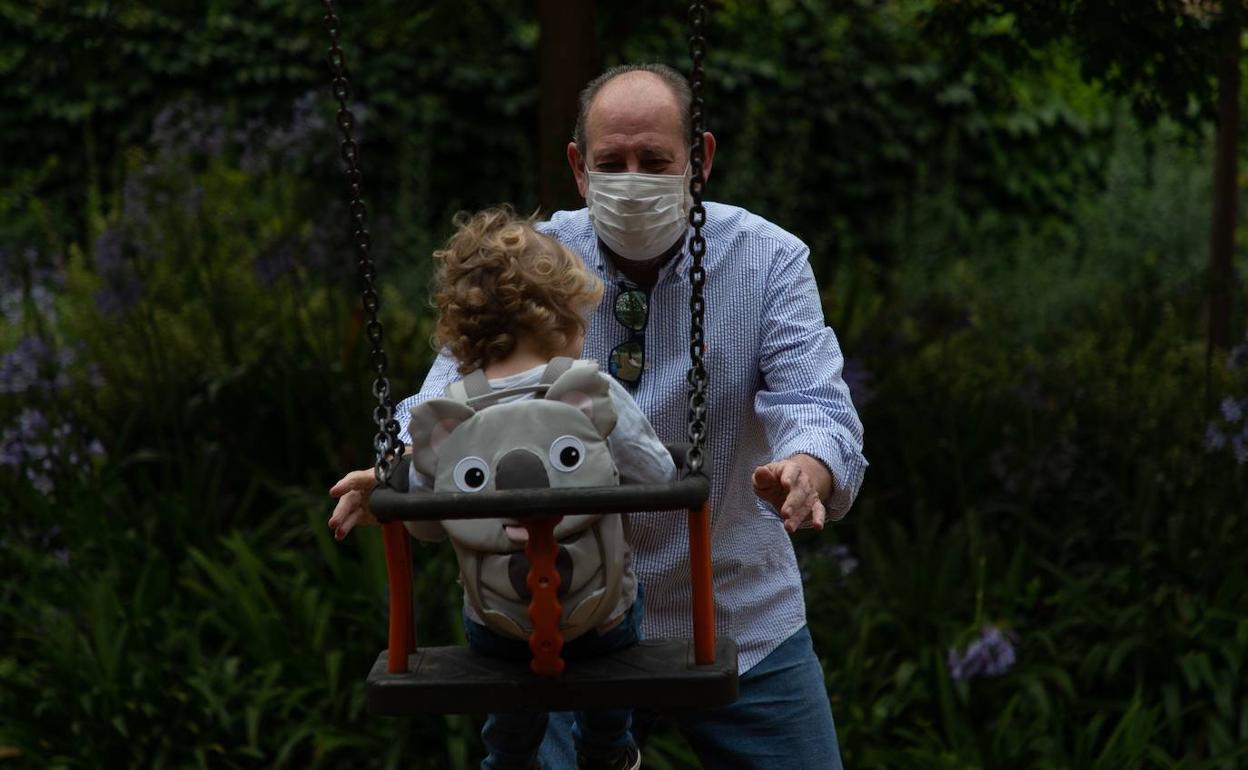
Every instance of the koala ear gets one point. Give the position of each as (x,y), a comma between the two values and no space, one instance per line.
(584,388)
(432,423)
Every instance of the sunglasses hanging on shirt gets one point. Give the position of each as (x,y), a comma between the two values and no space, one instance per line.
(627,360)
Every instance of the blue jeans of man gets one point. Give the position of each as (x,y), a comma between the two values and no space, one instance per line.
(781,721)
(512,738)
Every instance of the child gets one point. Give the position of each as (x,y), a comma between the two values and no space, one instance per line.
(510,299)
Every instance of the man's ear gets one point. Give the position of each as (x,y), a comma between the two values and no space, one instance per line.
(578,168)
(588,391)
(431,424)
(708,154)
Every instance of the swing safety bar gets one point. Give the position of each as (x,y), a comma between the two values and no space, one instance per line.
(396,503)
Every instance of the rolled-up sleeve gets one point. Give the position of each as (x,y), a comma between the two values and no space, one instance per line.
(441,374)
(804,402)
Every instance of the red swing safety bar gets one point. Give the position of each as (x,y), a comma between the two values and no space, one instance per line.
(543,580)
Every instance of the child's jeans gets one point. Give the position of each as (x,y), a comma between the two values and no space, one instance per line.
(513,737)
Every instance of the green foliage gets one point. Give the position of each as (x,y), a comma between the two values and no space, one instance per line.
(1038,465)
(152,652)
(1010,257)
(859,113)
(1160,55)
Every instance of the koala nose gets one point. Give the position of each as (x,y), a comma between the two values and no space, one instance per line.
(521,469)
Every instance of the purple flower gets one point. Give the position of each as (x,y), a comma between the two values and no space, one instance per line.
(1239,446)
(32,422)
(1238,356)
(43,300)
(992,654)
(297,141)
(252,157)
(135,209)
(12,307)
(845,560)
(838,554)
(187,127)
(34,442)
(19,368)
(39,480)
(10,448)
(28,281)
(292,145)
(110,251)
(121,285)
(1214,438)
(13,304)
(26,440)
(1231,409)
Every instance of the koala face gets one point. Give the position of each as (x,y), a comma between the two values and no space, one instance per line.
(521,445)
(555,441)
(552,442)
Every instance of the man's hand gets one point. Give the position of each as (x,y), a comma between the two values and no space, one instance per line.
(795,487)
(352,491)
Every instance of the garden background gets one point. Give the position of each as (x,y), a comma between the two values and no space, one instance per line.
(1022,244)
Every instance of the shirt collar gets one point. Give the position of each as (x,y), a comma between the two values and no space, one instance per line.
(608,272)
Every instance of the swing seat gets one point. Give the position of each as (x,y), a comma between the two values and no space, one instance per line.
(659,674)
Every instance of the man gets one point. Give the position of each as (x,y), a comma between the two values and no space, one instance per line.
(783,437)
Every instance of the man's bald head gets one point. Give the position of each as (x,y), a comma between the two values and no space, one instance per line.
(645,87)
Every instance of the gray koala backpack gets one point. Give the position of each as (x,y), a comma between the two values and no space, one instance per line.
(474,440)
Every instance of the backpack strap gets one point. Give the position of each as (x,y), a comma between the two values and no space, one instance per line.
(474,385)
(555,369)
(475,391)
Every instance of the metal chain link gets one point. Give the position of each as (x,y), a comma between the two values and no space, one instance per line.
(386,442)
(697,246)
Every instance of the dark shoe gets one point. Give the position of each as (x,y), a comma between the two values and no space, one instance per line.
(627,758)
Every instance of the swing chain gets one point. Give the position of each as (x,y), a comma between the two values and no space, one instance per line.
(386,442)
(697,245)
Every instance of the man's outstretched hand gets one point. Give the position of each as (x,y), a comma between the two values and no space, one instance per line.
(352,491)
(796,487)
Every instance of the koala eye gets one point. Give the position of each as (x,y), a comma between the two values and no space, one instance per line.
(471,474)
(567,453)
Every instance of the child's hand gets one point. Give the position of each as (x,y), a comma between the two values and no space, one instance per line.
(352,492)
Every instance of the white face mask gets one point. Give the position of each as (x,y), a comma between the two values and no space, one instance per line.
(638,216)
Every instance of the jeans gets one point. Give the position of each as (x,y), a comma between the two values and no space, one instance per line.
(512,738)
(781,721)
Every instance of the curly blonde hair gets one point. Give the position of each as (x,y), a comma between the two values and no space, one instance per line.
(497,278)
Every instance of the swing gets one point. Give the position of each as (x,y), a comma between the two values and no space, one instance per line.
(666,674)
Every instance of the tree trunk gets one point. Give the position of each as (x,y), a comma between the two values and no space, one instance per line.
(567,60)
(1222,279)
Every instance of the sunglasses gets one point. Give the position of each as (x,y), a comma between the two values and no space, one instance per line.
(632,310)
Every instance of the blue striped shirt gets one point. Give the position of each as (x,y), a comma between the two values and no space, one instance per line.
(774,389)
